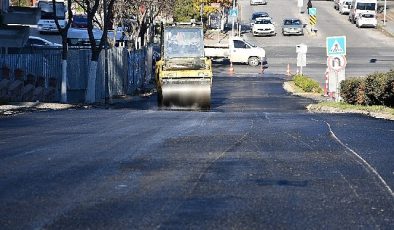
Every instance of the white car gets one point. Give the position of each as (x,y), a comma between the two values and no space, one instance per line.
(263,27)
(40,42)
(258,2)
(366,20)
(344,7)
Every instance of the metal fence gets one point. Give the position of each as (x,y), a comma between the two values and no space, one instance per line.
(128,71)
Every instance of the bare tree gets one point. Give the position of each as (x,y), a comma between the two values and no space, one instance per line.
(141,13)
(95,9)
(63,33)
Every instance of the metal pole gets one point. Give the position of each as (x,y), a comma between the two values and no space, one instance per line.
(384,12)
(201,12)
(337,87)
(106,80)
(232,28)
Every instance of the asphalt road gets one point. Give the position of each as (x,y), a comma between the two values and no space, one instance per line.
(257,160)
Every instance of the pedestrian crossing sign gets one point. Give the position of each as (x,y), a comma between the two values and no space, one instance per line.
(233,12)
(312,11)
(336,46)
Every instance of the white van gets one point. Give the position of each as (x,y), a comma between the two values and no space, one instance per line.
(361,6)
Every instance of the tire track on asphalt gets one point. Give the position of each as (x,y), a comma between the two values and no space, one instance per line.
(205,170)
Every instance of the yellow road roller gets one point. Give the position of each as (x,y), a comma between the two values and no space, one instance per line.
(183,74)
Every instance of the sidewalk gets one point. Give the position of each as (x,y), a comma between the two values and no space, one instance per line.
(389,27)
(24,107)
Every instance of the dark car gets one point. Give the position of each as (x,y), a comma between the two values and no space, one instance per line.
(292,26)
(40,42)
(79,21)
(257,15)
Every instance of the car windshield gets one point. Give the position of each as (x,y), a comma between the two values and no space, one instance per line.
(292,22)
(366,6)
(263,21)
(259,15)
(183,42)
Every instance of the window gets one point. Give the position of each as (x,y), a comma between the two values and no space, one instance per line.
(366,6)
(35,42)
(240,44)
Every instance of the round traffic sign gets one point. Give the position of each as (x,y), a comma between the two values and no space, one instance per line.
(336,63)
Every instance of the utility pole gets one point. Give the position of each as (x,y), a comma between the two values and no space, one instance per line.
(106,80)
(384,12)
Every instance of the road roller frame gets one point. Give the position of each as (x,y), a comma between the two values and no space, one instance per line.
(183,74)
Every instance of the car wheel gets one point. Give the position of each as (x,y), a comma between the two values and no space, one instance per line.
(253,61)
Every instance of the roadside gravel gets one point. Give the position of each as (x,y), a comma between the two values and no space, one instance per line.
(25,107)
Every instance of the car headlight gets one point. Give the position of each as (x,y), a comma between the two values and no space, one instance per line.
(202,74)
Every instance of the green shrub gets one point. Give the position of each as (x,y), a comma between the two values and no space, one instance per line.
(307,84)
(353,91)
(375,89)
(379,88)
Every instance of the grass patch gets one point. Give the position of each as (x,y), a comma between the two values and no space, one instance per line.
(307,84)
(346,106)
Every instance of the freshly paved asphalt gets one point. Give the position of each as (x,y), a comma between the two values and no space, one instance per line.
(257,160)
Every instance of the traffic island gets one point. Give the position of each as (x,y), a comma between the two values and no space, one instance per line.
(327,105)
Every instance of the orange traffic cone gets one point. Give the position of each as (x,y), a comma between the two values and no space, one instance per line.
(261,69)
(288,70)
(231,68)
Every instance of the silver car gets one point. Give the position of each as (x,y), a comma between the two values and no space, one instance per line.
(292,26)
(258,2)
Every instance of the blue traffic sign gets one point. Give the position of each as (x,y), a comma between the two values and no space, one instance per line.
(336,46)
(233,12)
(312,11)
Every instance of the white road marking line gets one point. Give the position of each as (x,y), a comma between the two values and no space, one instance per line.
(372,169)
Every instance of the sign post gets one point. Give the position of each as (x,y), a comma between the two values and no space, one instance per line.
(233,13)
(312,17)
(301,50)
(300,4)
(336,63)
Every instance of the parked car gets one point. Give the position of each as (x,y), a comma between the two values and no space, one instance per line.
(292,26)
(366,20)
(258,2)
(361,6)
(258,15)
(40,42)
(263,27)
(344,7)
(79,21)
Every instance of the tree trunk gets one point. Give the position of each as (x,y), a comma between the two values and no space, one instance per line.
(64,81)
(91,88)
